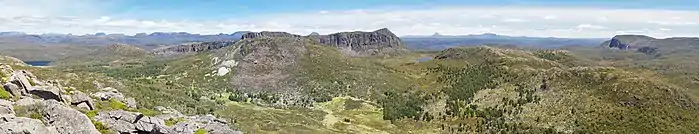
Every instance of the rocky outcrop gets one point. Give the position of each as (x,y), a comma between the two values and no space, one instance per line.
(23,125)
(131,122)
(624,42)
(193,47)
(381,41)
(108,93)
(209,123)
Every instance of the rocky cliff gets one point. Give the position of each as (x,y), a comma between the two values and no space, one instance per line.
(267,34)
(379,42)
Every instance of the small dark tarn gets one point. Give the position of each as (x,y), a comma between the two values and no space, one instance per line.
(38,63)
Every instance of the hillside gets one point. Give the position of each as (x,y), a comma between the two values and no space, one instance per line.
(108,56)
(275,82)
(676,58)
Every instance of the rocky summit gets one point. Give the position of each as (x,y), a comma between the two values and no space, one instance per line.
(379,42)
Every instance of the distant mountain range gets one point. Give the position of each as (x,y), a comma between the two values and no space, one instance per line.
(439,42)
(143,40)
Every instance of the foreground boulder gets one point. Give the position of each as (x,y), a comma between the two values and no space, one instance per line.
(13,89)
(23,125)
(46,92)
(67,120)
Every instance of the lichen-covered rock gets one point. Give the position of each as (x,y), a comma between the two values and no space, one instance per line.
(109,93)
(131,122)
(13,89)
(20,79)
(130,102)
(23,125)
(67,120)
(27,101)
(6,107)
(80,98)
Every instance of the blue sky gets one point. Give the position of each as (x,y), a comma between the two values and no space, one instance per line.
(542,18)
(227,9)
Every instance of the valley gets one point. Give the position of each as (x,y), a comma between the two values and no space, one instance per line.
(369,82)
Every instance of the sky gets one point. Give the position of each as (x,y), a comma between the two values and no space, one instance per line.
(537,18)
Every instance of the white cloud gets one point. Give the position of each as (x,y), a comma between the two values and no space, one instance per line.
(589,26)
(673,22)
(20,15)
(550,17)
(514,20)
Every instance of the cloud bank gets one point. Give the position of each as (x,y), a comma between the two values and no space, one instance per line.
(88,18)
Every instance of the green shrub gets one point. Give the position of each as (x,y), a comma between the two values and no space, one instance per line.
(148,112)
(173,121)
(5,95)
(200,131)
(101,127)
(114,104)
(35,115)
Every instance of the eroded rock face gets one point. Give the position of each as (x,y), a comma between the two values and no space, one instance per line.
(23,125)
(67,120)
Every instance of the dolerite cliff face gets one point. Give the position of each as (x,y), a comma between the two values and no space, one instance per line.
(629,41)
(379,42)
(268,35)
(192,47)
